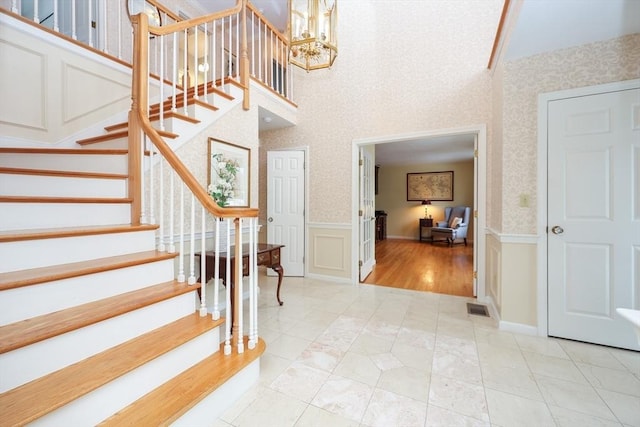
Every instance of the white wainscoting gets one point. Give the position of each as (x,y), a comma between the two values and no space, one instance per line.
(330,251)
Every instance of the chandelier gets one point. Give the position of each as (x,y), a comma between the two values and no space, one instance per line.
(312,33)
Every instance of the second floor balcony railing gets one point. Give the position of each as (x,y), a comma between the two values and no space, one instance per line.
(202,54)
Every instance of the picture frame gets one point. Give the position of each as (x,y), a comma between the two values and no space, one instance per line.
(434,186)
(229,173)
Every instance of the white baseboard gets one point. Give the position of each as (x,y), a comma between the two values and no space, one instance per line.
(334,279)
(519,328)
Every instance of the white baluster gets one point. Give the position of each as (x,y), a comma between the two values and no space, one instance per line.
(253,48)
(266,50)
(103,25)
(161,82)
(172,246)
(222,53)
(205,63)
(227,285)
(216,275)
(143,200)
(240,292)
(181,276)
(120,30)
(161,199)
(192,254)
(74,33)
(14,7)
(89,26)
(252,302)
(214,37)
(203,265)
(195,62)
(174,78)
(152,182)
(185,77)
(36,14)
(56,19)
(230,36)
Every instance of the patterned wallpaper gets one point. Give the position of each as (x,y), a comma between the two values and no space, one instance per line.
(400,68)
(524,79)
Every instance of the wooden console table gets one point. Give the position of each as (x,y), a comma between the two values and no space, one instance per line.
(268,255)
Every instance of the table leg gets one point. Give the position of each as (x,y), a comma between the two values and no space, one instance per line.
(278,269)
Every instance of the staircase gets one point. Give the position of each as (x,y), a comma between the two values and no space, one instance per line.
(94,328)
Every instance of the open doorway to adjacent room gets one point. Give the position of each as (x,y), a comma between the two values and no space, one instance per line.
(404,255)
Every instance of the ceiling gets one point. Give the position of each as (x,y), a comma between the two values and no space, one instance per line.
(542,26)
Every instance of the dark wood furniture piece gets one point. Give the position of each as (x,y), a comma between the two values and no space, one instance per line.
(268,255)
(426,223)
(381,225)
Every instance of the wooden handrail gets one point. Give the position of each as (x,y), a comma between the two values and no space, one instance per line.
(189,23)
(138,119)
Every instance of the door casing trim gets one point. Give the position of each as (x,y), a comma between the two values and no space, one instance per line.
(480,182)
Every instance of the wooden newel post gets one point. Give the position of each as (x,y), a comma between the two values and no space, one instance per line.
(139,101)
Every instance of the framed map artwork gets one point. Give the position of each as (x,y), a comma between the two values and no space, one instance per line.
(434,186)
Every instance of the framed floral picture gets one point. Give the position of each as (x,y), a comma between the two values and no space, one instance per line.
(229,173)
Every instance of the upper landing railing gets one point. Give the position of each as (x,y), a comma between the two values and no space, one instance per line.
(197,55)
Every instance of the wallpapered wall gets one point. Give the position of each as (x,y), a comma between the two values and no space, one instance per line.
(389,79)
(524,79)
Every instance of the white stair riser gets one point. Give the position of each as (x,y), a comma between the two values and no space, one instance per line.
(30,301)
(28,363)
(29,216)
(117,143)
(22,255)
(102,163)
(222,398)
(61,186)
(100,404)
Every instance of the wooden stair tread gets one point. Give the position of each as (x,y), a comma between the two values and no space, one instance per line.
(33,276)
(39,328)
(74,174)
(153,118)
(180,104)
(44,199)
(31,401)
(119,134)
(66,151)
(174,398)
(211,89)
(55,233)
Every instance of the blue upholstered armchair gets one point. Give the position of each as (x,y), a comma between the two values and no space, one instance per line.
(454,226)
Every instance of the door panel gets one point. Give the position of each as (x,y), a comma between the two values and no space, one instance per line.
(594,230)
(367,211)
(285,207)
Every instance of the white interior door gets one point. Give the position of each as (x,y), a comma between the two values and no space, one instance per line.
(594,216)
(367,218)
(285,207)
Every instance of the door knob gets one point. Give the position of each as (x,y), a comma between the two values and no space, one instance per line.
(270,219)
(557,230)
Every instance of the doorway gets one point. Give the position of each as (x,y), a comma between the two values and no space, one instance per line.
(479,132)
(286,205)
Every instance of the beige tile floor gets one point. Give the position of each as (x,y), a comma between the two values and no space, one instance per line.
(342,355)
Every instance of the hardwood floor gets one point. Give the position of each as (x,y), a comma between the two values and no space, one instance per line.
(422,266)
